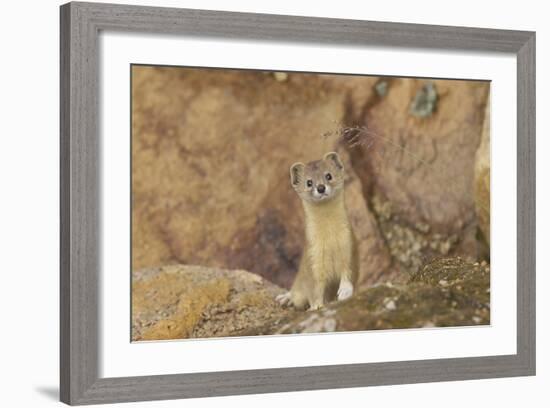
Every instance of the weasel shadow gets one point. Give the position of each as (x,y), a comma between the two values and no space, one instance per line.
(50,392)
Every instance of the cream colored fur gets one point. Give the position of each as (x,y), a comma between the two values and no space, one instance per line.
(329,265)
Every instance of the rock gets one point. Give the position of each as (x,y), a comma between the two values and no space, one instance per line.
(381,88)
(390,305)
(211,153)
(177,301)
(483,178)
(418,172)
(425,101)
(280,76)
(421,302)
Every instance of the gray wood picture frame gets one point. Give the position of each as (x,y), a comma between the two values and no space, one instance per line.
(81,24)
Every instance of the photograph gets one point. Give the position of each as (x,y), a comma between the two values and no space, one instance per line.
(275,203)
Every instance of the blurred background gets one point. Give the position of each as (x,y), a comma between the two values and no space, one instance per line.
(211,151)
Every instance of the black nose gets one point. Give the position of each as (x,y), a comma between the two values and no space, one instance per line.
(321,188)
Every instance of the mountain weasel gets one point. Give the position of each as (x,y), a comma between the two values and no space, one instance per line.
(329,266)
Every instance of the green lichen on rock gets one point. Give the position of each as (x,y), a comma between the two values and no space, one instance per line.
(425,101)
(469,283)
(184,301)
(409,244)
(196,302)
(445,292)
(381,88)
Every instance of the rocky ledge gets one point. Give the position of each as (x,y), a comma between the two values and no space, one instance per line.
(181,301)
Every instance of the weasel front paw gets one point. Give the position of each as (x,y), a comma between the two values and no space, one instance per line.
(284,299)
(345,290)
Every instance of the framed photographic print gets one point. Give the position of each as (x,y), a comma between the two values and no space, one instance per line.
(261,203)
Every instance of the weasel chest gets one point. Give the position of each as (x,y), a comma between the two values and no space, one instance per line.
(330,251)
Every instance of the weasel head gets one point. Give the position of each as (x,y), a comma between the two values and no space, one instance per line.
(320,180)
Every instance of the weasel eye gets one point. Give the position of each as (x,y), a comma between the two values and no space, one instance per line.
(328,176)
(309,183)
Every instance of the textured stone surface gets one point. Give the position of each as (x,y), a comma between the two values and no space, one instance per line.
(483,178)
(178,301)
(447,292)
(211,151)
(417,169)
(211,155)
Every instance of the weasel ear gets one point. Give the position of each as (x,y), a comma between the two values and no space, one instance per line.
(335,159)
(296,171)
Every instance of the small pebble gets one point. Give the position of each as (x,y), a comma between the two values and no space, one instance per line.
(280,76)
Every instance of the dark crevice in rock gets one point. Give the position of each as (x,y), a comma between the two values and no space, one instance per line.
(409,244)
(204,193)
(354,119)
